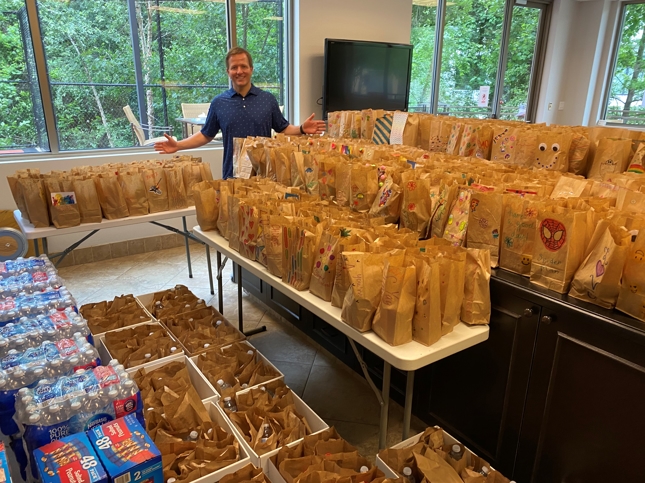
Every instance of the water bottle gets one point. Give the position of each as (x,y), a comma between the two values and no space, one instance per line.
(407,472)
(192,437)
(222,385)
(456,453)
(484,471)
(266,433)
(364,469)
(230,404)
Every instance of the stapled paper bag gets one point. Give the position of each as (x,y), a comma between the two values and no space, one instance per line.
(631,298)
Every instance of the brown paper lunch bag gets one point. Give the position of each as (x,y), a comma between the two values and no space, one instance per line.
(559,247)
(611,156)
(222,217)
(154,181)
(476,306)
(442,208)
(18,197)
(35,198)
(177,199)
(598,278)
(324,266)
(387,202)
(88,200)
(485,220)
(111,197)
(363,187)
(192,174)
(206,196)
(393,317)
(416,203)
(365,272)
(299,244)
(342,282)
(518,232)
(63,209)
(134,192)
(457,224)
(274,244)
(426,322)
(631,297)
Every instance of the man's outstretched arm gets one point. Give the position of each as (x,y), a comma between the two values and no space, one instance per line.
(171,145)
(309,127)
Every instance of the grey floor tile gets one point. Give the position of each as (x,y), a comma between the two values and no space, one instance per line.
(295,375)
(285,346)
(325,358)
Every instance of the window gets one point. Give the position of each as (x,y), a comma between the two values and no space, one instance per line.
(626,96)
(22,124)
(424,23)
(152,55)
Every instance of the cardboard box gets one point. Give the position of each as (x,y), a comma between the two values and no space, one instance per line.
(5,476)
(127,452)
(69,460)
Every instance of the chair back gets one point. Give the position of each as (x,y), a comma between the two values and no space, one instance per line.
(136,126)
(194,110)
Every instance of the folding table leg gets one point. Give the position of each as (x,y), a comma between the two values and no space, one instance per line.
(382,439)
(239,307)
(190,268)
(36,247)
(407,410)
(220,296)
(210,268)
(45,246)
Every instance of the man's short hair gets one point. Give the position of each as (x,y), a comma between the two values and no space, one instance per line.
(238,51)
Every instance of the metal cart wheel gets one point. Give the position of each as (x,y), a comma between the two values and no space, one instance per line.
(13,244)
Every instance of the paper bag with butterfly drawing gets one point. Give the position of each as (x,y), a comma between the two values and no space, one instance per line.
(559,247)
(631,298)
(598,278)
(154,180)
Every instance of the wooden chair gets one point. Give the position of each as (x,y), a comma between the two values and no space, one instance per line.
(139,129)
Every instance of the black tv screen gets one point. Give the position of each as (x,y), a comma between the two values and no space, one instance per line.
(361,75)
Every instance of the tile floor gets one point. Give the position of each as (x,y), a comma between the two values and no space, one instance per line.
(335,392)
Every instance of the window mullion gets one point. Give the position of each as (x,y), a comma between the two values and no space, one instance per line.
(43,77)
(136,53)
(436,60)
(501,66)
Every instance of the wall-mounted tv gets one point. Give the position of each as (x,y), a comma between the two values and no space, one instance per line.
(361,75)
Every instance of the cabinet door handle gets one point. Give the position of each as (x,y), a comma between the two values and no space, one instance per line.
(546,319)
(529,312)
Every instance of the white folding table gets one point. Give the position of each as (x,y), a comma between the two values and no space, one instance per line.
(36,234)
(407,357)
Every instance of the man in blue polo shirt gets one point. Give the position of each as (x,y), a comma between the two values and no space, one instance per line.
(239,112)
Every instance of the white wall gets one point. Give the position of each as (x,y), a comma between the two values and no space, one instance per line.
(315,20)
(209,154)
(577,61)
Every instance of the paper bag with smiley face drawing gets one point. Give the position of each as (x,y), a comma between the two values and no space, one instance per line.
(559,247)
(552,151)
(631,298)
(611,156)
(598,278)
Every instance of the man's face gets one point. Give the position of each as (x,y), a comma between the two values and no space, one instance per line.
(239,71)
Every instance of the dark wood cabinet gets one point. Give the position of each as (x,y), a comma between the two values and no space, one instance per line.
(554,395)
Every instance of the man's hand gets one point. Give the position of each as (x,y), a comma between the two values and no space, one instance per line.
(168,147)
(313,127)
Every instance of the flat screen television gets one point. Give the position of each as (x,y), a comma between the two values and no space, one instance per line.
(361,75)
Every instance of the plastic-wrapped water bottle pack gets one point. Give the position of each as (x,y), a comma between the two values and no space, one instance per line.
(20,265)
(40,303)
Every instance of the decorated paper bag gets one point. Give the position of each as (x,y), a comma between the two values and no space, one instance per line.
(356,125)
(63,206)
(454,140)
(274,248)
(485,220)
(552,150)
(343,183)
(365,271)
(611,156)
(441,209)
(88,201)
(476,308)
(333,124)
(382,127)
(270,154)
(311,168)
(631,298)
(324,268)
(457,223)
(559,247)
(134,192)
(154,180)
(503,144)
(393,317)
(387,202)
(367,124)
(206,196)
(346,124)
(440,132)
(283,166)
(233,225)
(416,205)
(111,197)
(598,278)
(249,221)
(175,185)
(347,243)
(298,170)
(518,233)
(327,178)
(426,322)
(299,245)
(525,147)
(476,140)
(637,163)
(630,201)
(363,187)
(569,187)
(222,217)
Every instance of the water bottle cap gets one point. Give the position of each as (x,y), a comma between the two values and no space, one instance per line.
(187,306)
(456,448)
(407,471)
(34,418)
(218,323)
(220,382)
(147,356)
(227,399)
(485,470)
(194,435)
(54,408)
(23,390)
(249,352)
(171,480)
(173,349)
(38,371)
(364,469)
(75,405)
(206,346)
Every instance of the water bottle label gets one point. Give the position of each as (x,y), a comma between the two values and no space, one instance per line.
(67,348)
(60,320)
(38,277)
(7,304)
(44,392)
(127,405)
(97,420)
(106,376)
(90,365)
(12,360)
